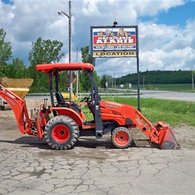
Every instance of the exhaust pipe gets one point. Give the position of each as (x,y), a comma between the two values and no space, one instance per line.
(99,135)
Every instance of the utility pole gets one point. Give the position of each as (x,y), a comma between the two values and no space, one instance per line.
(70,47)
(69,42)
(77,75)
(192,79)
(143,82)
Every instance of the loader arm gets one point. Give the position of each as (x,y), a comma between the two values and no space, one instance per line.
(18,105)
(160,135)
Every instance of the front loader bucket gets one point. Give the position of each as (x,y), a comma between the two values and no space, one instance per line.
(166,137)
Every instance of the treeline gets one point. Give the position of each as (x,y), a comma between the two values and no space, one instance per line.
(158,77)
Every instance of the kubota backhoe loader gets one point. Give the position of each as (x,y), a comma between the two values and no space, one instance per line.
(63,122)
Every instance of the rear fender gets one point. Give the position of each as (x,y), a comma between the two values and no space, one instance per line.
(69,112)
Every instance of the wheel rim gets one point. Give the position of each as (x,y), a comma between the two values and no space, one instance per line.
(121,138)
(60,133)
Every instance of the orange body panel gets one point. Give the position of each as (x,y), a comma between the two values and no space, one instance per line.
(120,112)
(112,111)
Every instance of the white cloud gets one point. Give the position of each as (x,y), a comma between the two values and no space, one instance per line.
(116,66)
(126,9)
(161,46)
(6,14)
(167,47)
(90,8)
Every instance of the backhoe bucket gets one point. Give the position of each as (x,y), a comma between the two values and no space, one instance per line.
(166,137)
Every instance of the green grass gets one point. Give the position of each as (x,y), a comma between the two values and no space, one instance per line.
(170,111)
(87,113)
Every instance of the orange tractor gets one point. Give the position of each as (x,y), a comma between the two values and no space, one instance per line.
(63,122)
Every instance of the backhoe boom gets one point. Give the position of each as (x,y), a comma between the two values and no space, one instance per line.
(18,105)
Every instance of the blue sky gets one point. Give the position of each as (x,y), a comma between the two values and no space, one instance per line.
(175,16)
(166,29)
(6,1)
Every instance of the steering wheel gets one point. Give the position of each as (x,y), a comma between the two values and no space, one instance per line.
(86,99)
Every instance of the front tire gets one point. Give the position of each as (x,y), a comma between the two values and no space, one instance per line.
(61,133)
(121,137)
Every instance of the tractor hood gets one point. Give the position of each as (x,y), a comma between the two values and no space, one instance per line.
(111,107)
(112,110)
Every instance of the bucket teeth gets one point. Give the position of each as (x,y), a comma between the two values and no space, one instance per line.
(170,145)
(169,142)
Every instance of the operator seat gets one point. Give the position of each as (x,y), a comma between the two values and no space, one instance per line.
(61,102)
(60,99)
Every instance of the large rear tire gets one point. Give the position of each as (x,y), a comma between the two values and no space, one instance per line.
(61,133)
(121,137)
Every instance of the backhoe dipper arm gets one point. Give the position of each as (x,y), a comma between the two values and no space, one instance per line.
(18,105)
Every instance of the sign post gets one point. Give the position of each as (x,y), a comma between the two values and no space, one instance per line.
(114,42)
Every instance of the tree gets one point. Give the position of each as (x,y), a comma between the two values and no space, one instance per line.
(17,69)
(5,48)
(43,52)
(86,56)
(106,81)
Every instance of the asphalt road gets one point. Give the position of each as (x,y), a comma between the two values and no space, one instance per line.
(167,95)
(171,95)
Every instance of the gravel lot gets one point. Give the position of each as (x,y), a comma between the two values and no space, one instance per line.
(29,166)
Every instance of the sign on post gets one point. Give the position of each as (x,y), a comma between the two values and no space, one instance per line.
(114,42)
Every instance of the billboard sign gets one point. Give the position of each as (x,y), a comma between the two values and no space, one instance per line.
(120,41)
